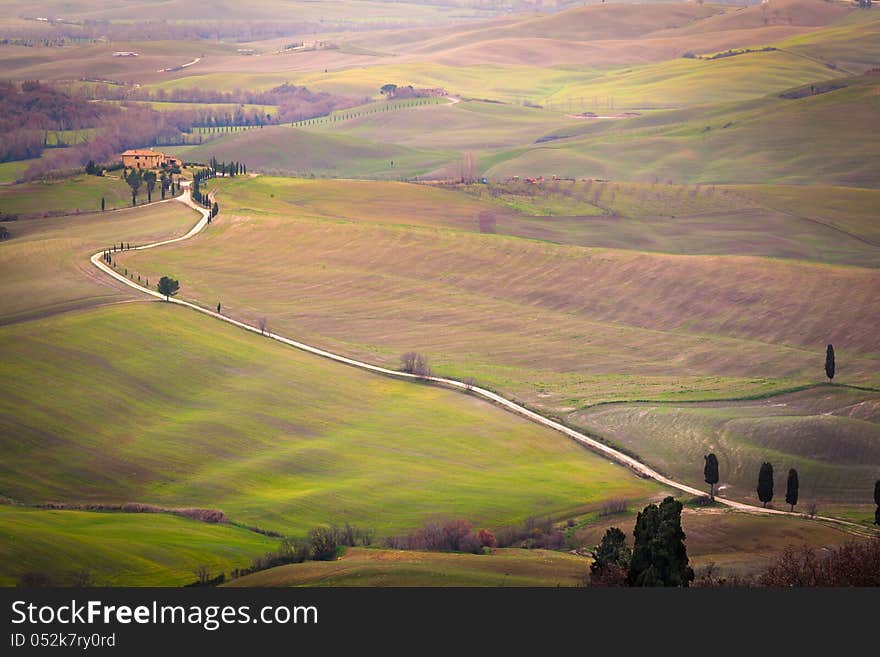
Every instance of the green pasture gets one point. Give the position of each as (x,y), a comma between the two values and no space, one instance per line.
(120,549)
(373,567)
(153,403)
(45,263)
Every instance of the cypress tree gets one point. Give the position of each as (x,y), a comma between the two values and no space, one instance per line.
(610,558)
(829,363)
(765,483)
(710,473)
(102,204)
(791,489)
(659,556)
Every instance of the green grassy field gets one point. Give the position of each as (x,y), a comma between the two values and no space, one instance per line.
(830,434)
(11,171)
(72,195)
(755,141)
(834,225)
(373,567)
(292,151)
(196,413)
(120,549)
(693,82)
(45,263)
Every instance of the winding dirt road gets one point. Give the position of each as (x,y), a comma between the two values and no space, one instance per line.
(598,447)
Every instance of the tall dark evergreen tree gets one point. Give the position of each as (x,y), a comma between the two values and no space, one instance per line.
(150,183)
(102,204)
(791,489)
(765,483)
(610,559)
(134,180)
(710,473)
(659,556)
(829,363)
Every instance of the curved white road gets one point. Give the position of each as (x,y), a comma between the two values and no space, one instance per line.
(619,457)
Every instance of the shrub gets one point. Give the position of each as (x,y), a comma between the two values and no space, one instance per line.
(853,564)
(487,538)
(414,363)
(324,542)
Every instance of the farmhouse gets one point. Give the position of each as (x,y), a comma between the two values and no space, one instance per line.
(142,159)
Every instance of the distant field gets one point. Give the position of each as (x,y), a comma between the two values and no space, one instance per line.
(152,403)
(120,549)
(373,567)
(834,225)
(830,434)
(756,141)
(690,82)
(294,151)
(355,12)
(221,109)
(11,171)
(468,126)
(45,264)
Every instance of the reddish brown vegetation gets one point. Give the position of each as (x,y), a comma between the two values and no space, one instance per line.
(853,564)
(203,515)
(449,536)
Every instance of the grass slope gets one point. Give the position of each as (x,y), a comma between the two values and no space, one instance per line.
(831,435)
(736,325)
(835,225)
(293,150)
(120,549)
(756,141)
(371,567)
(68,196)
(45,263)
(156,404)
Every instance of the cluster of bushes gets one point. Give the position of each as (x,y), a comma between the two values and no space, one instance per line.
(449,536)
(856,563)
(321,544)
(535,533)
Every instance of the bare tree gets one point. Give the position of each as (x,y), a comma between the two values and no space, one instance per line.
(469,383)
(263,325)
(414,363)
